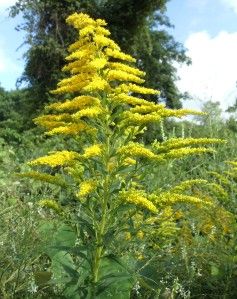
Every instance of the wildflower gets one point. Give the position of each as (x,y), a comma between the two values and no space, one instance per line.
(97,84)
(138,198)
(129,161)
(75,104)
(93,151)
(88,112)
(172,198)
(70,129)
(123,76)
(136,149)
(126,68)
(176,143)
(182,152)
(126,88)
(86,188)
(58,158)
(119,55)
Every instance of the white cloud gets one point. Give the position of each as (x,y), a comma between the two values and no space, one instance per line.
(213,73)
(231,3)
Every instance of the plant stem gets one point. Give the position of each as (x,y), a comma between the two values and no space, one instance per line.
(102,225)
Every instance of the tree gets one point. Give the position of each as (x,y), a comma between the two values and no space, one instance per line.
(137,25)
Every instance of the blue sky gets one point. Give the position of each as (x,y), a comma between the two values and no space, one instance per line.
(207,28)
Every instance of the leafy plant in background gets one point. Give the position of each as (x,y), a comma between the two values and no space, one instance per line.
(102,168)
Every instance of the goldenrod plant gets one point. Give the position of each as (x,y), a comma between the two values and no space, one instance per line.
(100,163)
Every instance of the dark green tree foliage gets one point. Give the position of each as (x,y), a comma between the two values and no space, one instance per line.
(16,112)
(138,26)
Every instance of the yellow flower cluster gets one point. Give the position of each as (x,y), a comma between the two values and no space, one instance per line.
(93,151)
(71,129)
(75,104)
(127,88)
(183,152)
(129,161)
(52,121)
(88,112)
(117,75)
(136,150)
(138,197)
(86,188)
(176,143)
(96,84)
(119,55)
(126,68)
(173,198)
(59,158)
(140,119)
(130,100)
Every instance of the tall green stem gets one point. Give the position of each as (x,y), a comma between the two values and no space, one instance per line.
(98,253)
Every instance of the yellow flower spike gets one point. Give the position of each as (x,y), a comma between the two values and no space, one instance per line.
(97,84)
(126,68)
(129,162)
(100,22)
(182,152)
(119,55)
(102,31)
(87,30)
(71,129)
(45,120)
(175,143)
(98,63)
(75,104)
(138,198)
(173,198)
(81,20)
(126,88)
(93,151)
(131,100)
(102,41)
(88,112)
(118,75)
(143,109)
(137,150)
(86,188)
(58,158)
(140,119)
